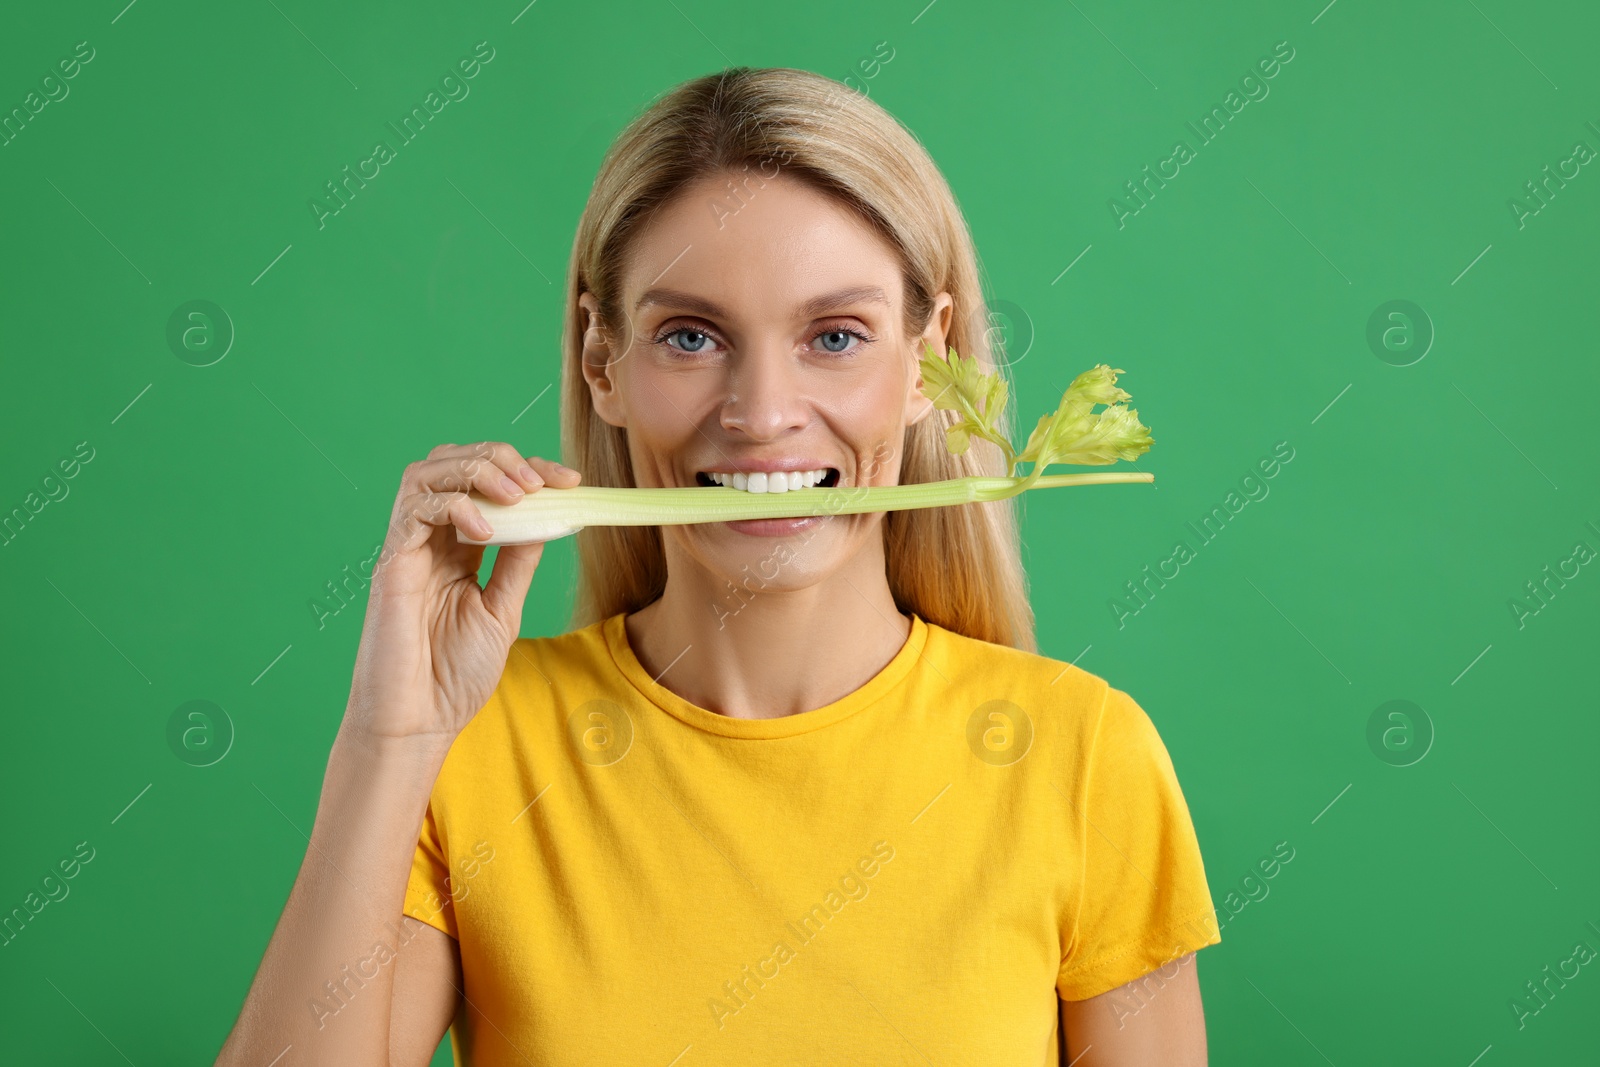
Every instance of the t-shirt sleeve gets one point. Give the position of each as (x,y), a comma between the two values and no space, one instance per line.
(1142,899)
(428,887)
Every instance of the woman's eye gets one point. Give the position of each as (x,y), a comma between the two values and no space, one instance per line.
(837,341)
(692,341)
(697,342)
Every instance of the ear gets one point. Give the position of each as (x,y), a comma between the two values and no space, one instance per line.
(918,407)
(600,356)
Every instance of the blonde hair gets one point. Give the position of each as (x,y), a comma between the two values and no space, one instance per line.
(956,567)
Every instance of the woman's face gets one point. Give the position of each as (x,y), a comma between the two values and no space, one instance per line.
(763,335)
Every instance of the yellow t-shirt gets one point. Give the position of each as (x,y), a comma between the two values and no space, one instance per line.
(913,873)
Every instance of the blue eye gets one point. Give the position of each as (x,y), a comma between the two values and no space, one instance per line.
(840,337)
(693,348)
(696,341)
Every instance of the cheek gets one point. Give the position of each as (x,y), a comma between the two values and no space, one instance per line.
(662,412)
(878,461)
(869,418)
(876,439)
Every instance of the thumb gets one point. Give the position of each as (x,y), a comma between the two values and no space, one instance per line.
(507,588)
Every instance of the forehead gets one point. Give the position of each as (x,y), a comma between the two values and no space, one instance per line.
(785,245)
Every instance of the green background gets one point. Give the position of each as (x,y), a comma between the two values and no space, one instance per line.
(1419,501)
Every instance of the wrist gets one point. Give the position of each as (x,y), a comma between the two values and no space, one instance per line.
(414,752)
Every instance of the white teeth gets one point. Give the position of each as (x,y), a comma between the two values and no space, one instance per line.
(769,482)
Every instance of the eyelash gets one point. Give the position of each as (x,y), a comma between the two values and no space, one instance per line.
(660,339)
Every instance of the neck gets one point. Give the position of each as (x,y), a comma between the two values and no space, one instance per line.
(770,648)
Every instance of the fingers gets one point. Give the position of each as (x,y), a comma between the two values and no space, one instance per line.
(507,587)
(493,468)
(554,473)
(417,515)
(433,492)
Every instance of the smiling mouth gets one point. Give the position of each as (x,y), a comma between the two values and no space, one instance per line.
(747,482)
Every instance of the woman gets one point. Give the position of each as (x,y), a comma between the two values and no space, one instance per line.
(789,790)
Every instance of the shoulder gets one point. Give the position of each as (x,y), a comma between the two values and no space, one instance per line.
(1054,696)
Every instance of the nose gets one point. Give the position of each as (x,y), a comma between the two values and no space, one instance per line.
(765,395)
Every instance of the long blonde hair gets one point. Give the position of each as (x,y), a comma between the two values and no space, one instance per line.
(957,567)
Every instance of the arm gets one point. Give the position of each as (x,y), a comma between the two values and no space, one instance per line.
(316,989)
(427,995)
(346,979)
(1152,1019)
(1143,907)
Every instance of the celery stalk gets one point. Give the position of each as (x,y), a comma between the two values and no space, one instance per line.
(1072,434)
(551,513)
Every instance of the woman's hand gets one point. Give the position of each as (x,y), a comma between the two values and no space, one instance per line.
(434,643)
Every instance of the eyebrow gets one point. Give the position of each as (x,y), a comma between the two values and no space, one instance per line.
(809,310)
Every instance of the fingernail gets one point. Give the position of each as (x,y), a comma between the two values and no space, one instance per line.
(530,475)
(510,486)
(563,468)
